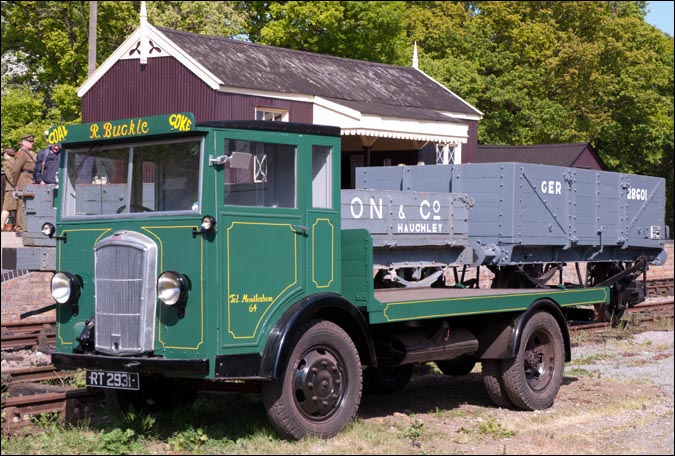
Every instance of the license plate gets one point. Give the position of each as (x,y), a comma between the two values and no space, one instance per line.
(115,380)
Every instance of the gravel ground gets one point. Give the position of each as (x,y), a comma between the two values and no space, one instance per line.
(649,358)
(24,358)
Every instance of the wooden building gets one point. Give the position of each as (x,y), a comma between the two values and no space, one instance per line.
(575,155)
(388,114)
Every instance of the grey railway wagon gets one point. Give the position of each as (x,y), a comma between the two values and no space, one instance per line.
(527,213)
(410,229)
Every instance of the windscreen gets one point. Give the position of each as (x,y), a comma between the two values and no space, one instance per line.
(142,178)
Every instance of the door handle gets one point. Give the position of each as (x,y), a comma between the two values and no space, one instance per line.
(300,229)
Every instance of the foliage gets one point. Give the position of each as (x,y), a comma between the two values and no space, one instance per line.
(414,431)
(492,428)
(140,423)
(118,441)
(359,30)
(189,439)
(46,420)
(207,18)
(540,72)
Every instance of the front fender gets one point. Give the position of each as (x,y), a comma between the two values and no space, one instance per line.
(324,306)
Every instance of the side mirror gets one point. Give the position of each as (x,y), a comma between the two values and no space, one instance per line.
(240,160)
(237,160)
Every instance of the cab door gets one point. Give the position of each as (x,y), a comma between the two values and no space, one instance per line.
(323,274)
(262,230)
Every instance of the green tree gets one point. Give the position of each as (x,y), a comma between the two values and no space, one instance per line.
(370,31)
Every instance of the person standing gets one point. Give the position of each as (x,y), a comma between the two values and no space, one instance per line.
(22,174)
(9,203)
(47,165)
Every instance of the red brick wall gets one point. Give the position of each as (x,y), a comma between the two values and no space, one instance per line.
(665,271)
(27,292)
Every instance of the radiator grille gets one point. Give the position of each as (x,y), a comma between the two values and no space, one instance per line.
(125,272)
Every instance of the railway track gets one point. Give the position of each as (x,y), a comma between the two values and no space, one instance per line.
(40,335)
(22,412)
(34,374)
(640,313)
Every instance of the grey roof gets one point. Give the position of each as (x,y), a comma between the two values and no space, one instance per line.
(377,88)
(545,154)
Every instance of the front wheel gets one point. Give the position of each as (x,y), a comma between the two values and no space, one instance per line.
(532,379)
(320,389)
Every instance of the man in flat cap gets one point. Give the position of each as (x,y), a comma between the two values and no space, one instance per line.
(22,174)
(47,165)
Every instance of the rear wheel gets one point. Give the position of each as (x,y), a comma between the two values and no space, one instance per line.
(320,389)
(380,380)
(494,383)
(532,379)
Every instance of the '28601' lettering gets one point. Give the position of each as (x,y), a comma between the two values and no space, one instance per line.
(637,194)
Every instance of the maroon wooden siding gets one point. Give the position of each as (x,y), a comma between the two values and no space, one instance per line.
(163,86)
(469,149)
(587,160)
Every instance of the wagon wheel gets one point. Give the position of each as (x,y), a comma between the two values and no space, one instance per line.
(379,380)
(532,379)
(612,311)
(319,390)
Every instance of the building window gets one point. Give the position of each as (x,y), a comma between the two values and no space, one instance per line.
(270,114)
(448,154)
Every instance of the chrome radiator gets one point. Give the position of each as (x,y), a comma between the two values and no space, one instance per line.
(125,295)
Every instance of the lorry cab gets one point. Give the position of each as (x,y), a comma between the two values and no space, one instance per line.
(186,242)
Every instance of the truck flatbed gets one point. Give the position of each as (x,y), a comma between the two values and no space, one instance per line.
(403,304)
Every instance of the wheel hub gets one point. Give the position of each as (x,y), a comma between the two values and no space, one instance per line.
(538,361)
(318,383)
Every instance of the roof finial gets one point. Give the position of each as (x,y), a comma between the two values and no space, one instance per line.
(415,62)
(144,15)
(144,25)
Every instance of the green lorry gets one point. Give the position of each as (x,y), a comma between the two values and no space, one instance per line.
(207,256)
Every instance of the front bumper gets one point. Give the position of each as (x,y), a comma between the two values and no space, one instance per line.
(189,367)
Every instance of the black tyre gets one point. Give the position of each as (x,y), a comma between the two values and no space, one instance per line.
(494,383)
(320,389)
(156,394)
(382,380)
(532,379)
(457,367)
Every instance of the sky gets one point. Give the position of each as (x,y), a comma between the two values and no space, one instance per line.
(660,15)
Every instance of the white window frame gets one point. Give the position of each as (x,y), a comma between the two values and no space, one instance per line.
(271,114)
(448,154)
